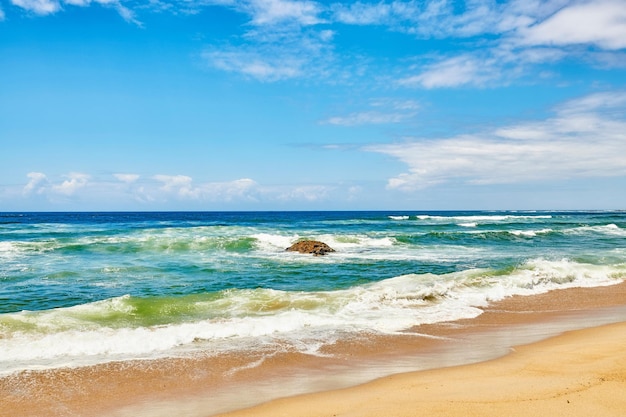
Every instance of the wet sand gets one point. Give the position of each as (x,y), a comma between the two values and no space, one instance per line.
(580,373)
(582,367)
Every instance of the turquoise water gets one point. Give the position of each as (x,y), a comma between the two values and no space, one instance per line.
(80,288)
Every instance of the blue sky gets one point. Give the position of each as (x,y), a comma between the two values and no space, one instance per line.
(292,105)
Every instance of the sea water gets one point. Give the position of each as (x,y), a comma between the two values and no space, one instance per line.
(86,288)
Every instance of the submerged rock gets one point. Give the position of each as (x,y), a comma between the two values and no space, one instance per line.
(310,246)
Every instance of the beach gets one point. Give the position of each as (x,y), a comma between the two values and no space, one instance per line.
(572,372)
(195,314)
(579,373)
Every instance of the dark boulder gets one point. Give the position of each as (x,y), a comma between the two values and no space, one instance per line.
(311,246)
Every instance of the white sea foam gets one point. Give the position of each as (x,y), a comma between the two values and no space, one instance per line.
(469,224)
(399,217)
(530,233)
(357,241)
(303,320)
(482,218)
(609,229)
(7,247)
(274,241)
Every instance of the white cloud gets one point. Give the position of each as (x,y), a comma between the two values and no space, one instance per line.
(182,186)
(393,111)
(41,7)
(45,7)
(276,53)
(526,33)
(453,72)
(586,138)
(166,191)
(425,19)
(37,183)
(40,184)
(263,67)
(598,101)
(266,12)
(308,193)
(126,13)
(367,117)
(178,183)
(601,23)
(74,182)
(127,178)
(362,13)
(244,188)
(2,15)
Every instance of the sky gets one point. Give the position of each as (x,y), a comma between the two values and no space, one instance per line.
(141,105)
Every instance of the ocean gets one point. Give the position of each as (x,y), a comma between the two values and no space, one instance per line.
(87,288)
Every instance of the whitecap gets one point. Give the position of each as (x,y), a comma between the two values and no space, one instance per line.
(530,233)
(471,224)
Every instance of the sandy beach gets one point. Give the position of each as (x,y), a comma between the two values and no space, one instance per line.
(580,372)
(577,373)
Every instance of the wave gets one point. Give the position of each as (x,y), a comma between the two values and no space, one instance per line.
(134,243)
(468,224)
(608,229)
(471,234)
(530,233)
(483,217)
(268,242)
(129,327)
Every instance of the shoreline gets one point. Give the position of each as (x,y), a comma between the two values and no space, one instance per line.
(207,386)
(575,374)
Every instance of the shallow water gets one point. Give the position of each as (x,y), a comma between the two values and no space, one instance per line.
(83,288)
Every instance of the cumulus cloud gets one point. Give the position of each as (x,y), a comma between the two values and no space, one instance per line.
(586,138)
(166,191)
(36,184)
(183,187)
(177,183)
(39,183)
(244,188)
(74,182)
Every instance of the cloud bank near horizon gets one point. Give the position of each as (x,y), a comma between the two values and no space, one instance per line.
(585,138)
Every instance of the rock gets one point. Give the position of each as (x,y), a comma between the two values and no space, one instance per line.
(311,246)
